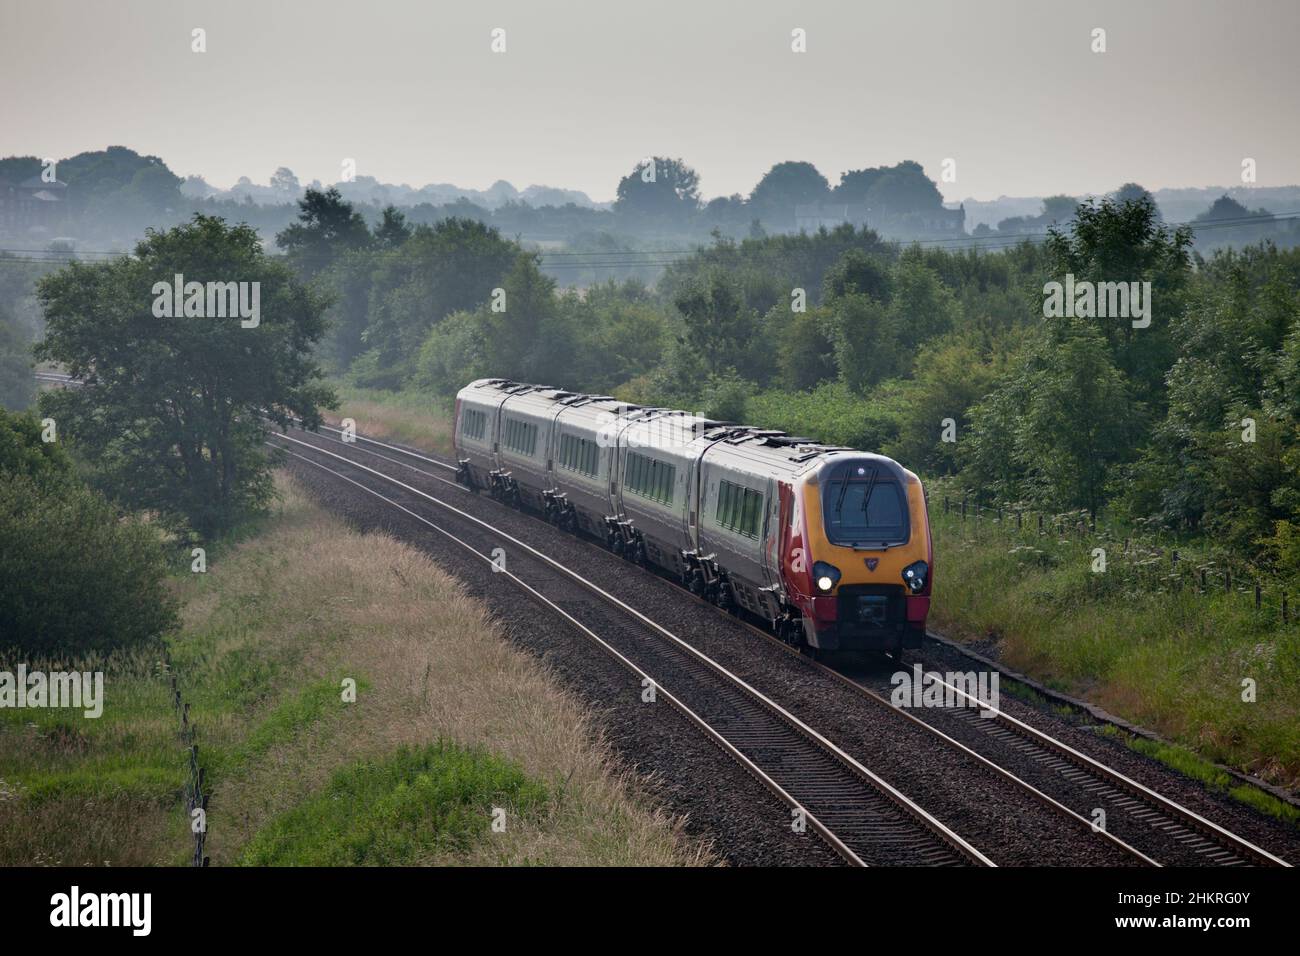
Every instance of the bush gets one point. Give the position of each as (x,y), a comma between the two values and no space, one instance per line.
(830,413)
(74,576)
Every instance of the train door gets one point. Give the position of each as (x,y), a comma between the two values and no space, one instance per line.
(772,533)
(694,501)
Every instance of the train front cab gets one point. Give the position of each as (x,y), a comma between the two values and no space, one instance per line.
(866,577)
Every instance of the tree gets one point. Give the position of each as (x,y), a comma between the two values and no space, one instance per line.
(718,324)
(75,575)
(173,410)
(858,272)
(1125,242)
(657,190)
(663,192)
(902,190)
(1132,192)
(453,266)
(392,230)
(327,226)
(17,384)
(1059,421)
(890,190)
(528,339)
(952,374)
(1059,209)
(283,180)
(866,342)
(785,186)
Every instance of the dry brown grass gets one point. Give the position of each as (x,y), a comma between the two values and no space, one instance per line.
(406,418)
(433,665)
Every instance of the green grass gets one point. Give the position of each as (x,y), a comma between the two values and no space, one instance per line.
(1173,661)
(417,805)
(124,770)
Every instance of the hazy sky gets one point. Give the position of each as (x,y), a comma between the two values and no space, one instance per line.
(412,91)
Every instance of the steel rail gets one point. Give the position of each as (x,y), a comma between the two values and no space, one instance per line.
(875,783)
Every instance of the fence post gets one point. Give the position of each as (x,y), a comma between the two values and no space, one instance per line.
(1227,581)
(1284,607)
(1258,596)
(1202,580)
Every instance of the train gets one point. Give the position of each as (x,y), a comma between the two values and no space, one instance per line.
(828,547)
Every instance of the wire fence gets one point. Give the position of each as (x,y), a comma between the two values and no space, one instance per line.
(194,793)
(1152,565)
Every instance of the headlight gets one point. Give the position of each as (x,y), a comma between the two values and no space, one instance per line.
(825,576)
(915,576)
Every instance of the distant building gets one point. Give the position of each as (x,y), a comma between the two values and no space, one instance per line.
(939,221)
(31,205)
(812,216)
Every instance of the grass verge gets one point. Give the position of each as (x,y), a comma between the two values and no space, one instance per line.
(407,417)
(1203,670)
(1174,663)
(353,706)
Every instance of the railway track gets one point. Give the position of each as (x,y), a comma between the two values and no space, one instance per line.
(860,815)
(1191,836)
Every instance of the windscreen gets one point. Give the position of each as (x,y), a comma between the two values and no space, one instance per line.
(863,505)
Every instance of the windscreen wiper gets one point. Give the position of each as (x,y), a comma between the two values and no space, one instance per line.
(866,496)
(844,489)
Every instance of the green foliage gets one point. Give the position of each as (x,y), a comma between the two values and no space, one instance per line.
(327,226)
(890,191)
(831,413)
(951,374)
(17,384)
(413,807)
(171,409)
(663,192)
(785,186)
(1055,424)
(1086,413)
(718,322)
(452,266)
(22,452)
(451,356)
(1126,242)
(75,576)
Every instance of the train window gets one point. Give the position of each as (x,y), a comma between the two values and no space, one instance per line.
(579,454)
(520,436)
(650,478)
(739,509)
(861,506)
(474,423)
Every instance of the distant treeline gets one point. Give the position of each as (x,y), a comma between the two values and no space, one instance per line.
(1189,423)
